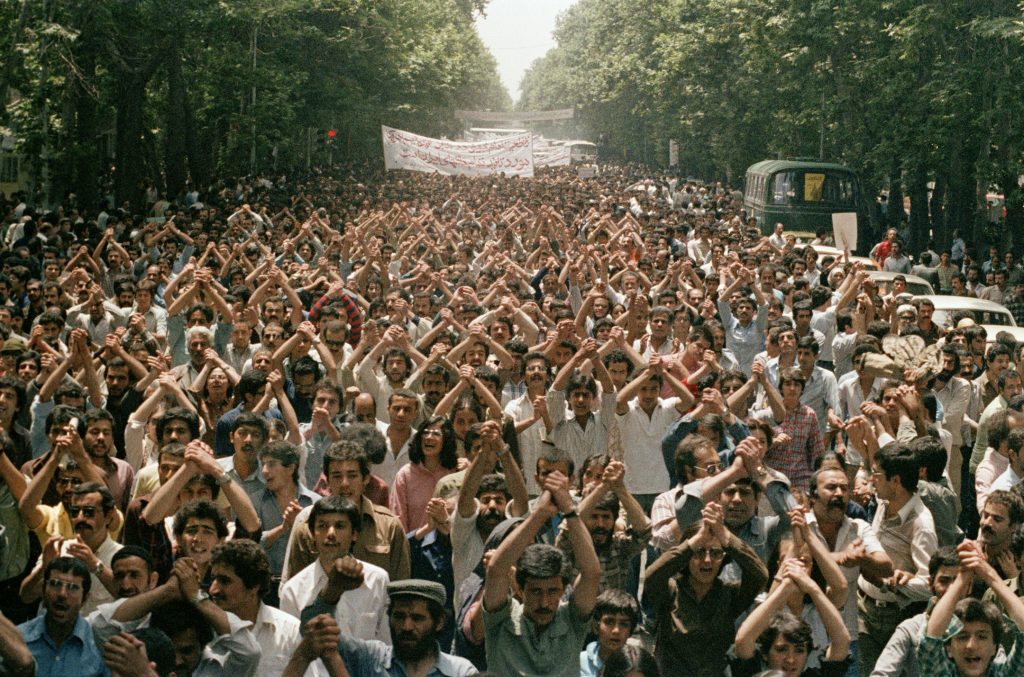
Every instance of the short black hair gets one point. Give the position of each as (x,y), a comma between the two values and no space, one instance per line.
(612,601)
(931,455)
(133,551)
(248,560)
(69,565)
(540,561)
(199,509)
(336,504)
(898,460)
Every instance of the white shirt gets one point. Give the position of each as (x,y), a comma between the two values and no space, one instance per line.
(97,593)
(569,436)
(277,633)
(467,549)
(641,436)
(392,463)
(849,531)
(1005,482)
(361,613)
(530,440)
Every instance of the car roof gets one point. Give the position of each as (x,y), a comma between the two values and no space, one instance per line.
(947,302)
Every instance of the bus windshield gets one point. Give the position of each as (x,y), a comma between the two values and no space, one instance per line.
(812,187)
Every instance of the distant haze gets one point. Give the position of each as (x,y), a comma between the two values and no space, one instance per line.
(517,32)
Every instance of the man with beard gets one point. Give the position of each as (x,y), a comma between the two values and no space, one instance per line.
(529,409)
(335,523)
(396,348)
(599,510)
(485,500)
(416,617)
(99,444)
(61,637)
(122,398)
(92,508)
(133,574)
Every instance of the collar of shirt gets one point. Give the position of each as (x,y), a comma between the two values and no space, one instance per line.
(912,507)
(35,629)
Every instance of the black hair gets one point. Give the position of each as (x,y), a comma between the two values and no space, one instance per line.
(494,482)
(612,601)
(63,414)
(199,509)
(971,610)
(931,456)
(792,629)
(945,556)
(1013,502)
(336,504)
(449,450)
(248,560)
(178,414)
(70,565)
(346,450)
(540,561)
(248,418)
(629,660)
(133,551)
(368,437)
(107,499)
(284,453)
(897,460)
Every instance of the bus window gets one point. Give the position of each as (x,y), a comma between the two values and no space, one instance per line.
(813,184)
(783,188)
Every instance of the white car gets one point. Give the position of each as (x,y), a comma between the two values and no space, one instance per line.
(825,250)
(918,286)
(992,315)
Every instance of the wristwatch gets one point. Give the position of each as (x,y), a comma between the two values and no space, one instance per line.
(223,479)
(570,514)
(98,569)
(200,597)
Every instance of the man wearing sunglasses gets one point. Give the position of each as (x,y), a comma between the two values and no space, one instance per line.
(92,508)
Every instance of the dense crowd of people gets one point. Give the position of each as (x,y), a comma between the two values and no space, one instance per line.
(362,423)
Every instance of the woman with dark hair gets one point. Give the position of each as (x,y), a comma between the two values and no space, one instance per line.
(432,455)
(213,391)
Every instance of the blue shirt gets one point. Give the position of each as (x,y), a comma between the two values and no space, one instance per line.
(590,661)
(77,656)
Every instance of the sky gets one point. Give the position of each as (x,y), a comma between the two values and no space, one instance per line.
(517,32)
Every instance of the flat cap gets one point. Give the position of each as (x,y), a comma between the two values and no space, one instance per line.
(417,587)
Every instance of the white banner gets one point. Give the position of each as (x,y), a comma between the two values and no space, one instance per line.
(555,156)
(521,116)
(512,155)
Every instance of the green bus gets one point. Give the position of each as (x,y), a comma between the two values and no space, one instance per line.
(802,195)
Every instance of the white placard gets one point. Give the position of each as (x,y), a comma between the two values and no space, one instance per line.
(844,227)
(511,155)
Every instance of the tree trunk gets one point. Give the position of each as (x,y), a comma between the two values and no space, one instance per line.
(87,154)
(129,182)
(918,207)
(176,139)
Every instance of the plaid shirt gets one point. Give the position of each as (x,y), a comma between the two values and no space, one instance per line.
(614,558)
(795,459)
(933,661)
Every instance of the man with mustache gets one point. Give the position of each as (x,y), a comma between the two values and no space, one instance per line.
(92,508)
(599,510)
(853,541)
(1001,517)
(485,500)
(529,409)
(535,632)
(248,435)
(416,617)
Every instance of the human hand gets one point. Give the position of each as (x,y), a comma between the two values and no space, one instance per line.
(346,574)
(558,485)
(125,656)
(186,571)
(714,519)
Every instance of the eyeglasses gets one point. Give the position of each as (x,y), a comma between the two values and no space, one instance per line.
(68,482)
(58,585)
(87,511)
(711,468)
(335,343)
(433,432)
(703,553)
(909,318)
